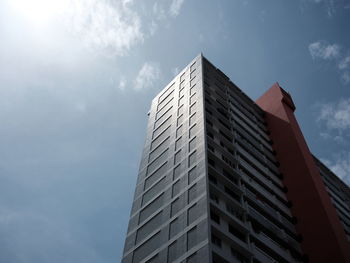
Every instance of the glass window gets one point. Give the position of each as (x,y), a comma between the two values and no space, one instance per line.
(156,175)
(182,77)
(157,162)
(172,252)
(177,157)
(179,131)
(193,108)
(177,172)
(192,175)
(153,191)
(180,110)
(151,208)
(176,188)
(192,144)
(175,207)
(193,90)
(192,159)
(192,258)
(174,228)
(162,127)
(191,238)
(192,98)
(192,119)
(193,131)
(192,214)
(178,143)
(192,193)
(181,93)
(160,148)
(215,240)
(215,217)
(180,120)
(147,248)
(149,227)
(160,138)
(181,100)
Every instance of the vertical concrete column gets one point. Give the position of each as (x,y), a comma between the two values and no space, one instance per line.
(324,239)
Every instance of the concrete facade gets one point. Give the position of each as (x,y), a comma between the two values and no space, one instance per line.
(217,184)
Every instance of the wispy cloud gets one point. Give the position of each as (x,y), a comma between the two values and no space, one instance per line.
(330,6)
(341,166)
(175,7)
(322,50)
(148,74)
(335,117)
(112,26)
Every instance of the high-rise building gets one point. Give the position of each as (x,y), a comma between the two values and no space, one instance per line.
(226,179)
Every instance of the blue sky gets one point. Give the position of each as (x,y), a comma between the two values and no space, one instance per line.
(76,81)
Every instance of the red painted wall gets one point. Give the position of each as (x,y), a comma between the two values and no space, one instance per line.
(324,239)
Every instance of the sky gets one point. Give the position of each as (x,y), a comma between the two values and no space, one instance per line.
(76,82)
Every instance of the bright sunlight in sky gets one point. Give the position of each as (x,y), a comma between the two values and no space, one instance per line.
(40,11)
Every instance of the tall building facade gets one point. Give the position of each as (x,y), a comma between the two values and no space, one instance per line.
(226,179)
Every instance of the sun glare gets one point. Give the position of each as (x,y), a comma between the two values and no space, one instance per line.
(39,11)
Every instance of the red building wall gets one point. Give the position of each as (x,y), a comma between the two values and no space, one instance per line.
(324,239)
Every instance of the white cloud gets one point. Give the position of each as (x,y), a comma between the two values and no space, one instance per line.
(336,116)
(175,7)
(329,5)
(344,63)
(147,76)
(323,50)
(346,77)
(341,166)
(122,83)
(111,26)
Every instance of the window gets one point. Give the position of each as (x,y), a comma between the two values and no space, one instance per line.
(214,197)
(162,127)
(180,120)
(179,131)
(192,90)
(192,175)
(153,191)
(182,77)
(156,175)
(180,110)
(162,118)
(181,100)
(192,214)
(172,252)
(192,159)
(157,162)
(181,93)
(192,119)
(192,145)
(147,248)
(234,231)
(192,193)
(175,207)
(149,227)
(178,143)
(177,157)
(191,238)
(151,208)
(192,98)
(193,67)
(193,131)
(160,148)
(166,93)
(160,138)
(174,228)
(193,81)
(192,108)
(215,217)
(215,240)
(176,188)
(177,172)
(192,258)
(193,74)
